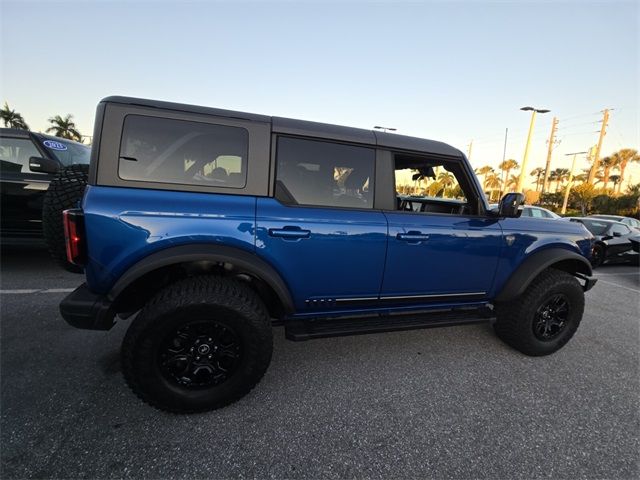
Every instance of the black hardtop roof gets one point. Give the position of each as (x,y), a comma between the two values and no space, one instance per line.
(59,139)
(306,128)
(14,132)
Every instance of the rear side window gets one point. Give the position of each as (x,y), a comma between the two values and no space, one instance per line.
(182,152)
(537,213)
(326,174)
(15,153)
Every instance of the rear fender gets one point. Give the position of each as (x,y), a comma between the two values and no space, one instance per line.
(244,261)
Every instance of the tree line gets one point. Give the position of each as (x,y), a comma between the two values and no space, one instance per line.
(63,127)
(500,181)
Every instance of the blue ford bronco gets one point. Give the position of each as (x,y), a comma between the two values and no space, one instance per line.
(206,227)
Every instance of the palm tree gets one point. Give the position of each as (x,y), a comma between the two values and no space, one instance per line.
(64,128)
(553,176)
(616,181)
(506,166)
(492,182)
(512,181)
(624,157)
(561,174)
(484,171)
(12,119)
(446,179)
(582,177)
(537,172)
(607,164)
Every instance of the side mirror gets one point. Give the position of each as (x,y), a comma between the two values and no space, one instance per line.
(43,165)
(511,205)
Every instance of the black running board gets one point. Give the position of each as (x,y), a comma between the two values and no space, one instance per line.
(299,330)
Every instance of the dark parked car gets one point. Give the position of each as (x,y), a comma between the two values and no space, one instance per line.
(28,162)
(613,240)
(628,221)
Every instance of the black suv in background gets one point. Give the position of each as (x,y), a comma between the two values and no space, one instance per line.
(28,163)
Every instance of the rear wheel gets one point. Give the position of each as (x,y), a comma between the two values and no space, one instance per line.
(65,191)
(200,344)
(545,317)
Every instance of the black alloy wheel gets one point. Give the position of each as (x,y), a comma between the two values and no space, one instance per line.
(199,344)
(200,354)
(597,256)
(551,318)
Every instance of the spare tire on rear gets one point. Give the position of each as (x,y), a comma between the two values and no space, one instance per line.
(65,191)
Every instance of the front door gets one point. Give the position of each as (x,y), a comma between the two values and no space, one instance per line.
(440,257)
(440,249)
(321,231)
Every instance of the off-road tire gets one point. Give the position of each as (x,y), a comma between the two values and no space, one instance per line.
(65,191)
(515,319)
(598,255)
(207,299)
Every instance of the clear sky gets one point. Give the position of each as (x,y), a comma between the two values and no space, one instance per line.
(451,71)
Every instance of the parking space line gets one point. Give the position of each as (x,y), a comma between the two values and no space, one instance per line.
(618,285)
(23,291)
(615,274)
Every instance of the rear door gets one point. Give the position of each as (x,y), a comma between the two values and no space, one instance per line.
(321,230)
(22,190)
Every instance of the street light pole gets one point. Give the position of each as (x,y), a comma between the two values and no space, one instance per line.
(534,111)
(385,129)
(568,189)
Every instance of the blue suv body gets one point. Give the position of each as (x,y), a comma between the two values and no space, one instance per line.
(209,226)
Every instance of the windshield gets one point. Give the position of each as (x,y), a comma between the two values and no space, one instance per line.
(595,227)
(66,151)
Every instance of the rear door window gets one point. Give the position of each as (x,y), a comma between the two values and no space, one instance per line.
(183,152)
(325,173)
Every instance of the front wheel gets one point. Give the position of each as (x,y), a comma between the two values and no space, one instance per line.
(598,255)
(545,317)
(200,344)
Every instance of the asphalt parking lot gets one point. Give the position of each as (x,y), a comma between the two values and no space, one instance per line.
(440,403)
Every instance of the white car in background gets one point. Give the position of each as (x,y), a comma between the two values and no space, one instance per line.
(536,212)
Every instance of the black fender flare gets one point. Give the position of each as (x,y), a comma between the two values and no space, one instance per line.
(533,265)
(246,261)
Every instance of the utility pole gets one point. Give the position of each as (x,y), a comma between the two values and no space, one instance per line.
(504,151)
(547,168)
(596,160)
(470,148)
(568,189)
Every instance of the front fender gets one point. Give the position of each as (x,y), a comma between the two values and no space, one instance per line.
(534,264)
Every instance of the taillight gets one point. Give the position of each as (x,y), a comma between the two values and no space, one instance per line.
(74,236)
